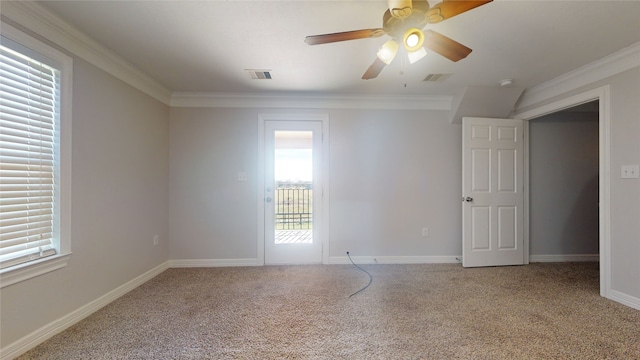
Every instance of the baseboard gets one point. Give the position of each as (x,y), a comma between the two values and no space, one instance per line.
(565,258)
(624,299)
(185,263)
(395,259)
(44,333)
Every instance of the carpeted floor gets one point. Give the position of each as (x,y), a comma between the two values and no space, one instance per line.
(435,311)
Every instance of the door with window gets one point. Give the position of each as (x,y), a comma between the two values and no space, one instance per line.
(292,192)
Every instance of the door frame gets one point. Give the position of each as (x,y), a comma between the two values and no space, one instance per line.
(602,94)
(323,225)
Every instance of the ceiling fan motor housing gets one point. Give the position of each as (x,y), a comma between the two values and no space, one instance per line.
(396,27)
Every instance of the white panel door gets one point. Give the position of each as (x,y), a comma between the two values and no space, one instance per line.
(492,192)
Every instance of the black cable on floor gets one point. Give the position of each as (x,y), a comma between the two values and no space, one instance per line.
(365,271)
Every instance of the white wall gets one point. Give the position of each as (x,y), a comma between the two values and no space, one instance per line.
(391,174)
(563,184)
(119,201)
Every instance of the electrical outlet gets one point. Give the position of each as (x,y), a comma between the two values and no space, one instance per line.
(425,232)
(156,239)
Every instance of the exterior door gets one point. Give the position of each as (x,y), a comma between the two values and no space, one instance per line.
(492,192)
(293,192)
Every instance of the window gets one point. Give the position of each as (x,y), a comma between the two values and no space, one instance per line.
(35,82)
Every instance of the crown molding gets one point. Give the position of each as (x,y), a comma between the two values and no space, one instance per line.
(290,101)
(616,63)
(41,21)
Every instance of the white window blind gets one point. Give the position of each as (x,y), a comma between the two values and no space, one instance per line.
(29,111)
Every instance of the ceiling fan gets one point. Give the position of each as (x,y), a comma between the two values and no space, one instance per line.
(404,22)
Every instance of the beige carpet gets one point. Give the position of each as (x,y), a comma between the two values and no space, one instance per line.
(438,311)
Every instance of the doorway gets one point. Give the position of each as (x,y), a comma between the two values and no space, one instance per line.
(292,190)
(602,96)
(563,185)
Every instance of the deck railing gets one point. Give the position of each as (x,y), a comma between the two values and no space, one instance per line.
(294,205)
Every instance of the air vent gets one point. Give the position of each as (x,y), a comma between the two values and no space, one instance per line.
(259,74)
(437,77)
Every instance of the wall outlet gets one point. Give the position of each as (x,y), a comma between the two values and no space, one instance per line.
(156,239)
(425,232)
(242,176)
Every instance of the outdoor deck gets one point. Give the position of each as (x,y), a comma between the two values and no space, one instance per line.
(294,236)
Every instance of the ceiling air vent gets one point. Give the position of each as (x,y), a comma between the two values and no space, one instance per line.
(437,77)
(259,74)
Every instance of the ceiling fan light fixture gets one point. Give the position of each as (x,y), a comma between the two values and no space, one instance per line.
(413,39)
(388,51)
(416,55)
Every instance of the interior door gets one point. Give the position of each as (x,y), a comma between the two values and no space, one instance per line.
(293,192)
(492,192)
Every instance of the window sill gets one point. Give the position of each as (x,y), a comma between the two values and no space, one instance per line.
(32,269)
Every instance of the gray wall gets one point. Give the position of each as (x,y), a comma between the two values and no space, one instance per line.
(625,193)
(391,174)
(213,215)
(119,202)
(563,164)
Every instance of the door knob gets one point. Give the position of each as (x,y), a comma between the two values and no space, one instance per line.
(268,199)
(468,199)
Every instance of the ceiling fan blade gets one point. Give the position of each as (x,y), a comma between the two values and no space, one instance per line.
(450,8)
(343,36)
(374,70)
(445,46)
(400,8)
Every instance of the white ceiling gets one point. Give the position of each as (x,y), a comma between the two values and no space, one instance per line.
(205,46)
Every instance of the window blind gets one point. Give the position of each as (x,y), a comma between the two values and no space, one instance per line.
(29,93)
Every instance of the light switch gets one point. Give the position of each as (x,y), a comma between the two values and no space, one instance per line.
(242,176)
(629,171)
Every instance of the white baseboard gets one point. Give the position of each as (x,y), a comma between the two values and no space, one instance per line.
(39,336)
(185,263)
(453,259)
(624,299)
(565,258)
(395,259)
